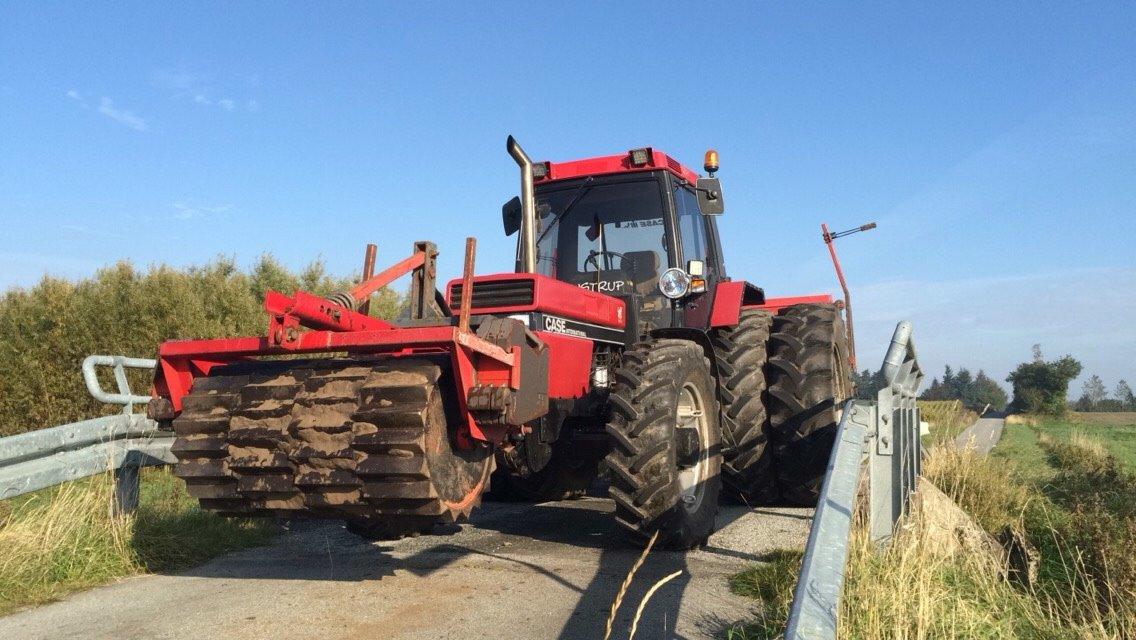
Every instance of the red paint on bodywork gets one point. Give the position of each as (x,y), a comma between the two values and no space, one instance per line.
(555,297)
(729,298)
(569,364)
(604,165)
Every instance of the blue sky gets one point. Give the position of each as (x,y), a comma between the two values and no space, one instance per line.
(995,145)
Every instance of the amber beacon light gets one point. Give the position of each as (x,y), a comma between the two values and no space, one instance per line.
(711,162)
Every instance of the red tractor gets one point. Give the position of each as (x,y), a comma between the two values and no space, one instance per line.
(619,348)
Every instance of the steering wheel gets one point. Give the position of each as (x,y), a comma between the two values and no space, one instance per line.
(593,254)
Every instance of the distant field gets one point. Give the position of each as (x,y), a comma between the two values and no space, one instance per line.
(1115,431)
(1119,418)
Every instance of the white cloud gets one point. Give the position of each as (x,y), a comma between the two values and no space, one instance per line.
(185,210)
(121,116)
(201,90)
(107,108)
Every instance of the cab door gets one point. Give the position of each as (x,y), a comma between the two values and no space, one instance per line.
(696,242)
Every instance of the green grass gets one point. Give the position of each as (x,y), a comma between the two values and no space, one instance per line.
(1119,438)
(771,584)
(1019,448)
(63,539)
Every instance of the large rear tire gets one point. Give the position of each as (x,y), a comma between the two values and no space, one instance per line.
(809,378)
(741,352)
(666,458)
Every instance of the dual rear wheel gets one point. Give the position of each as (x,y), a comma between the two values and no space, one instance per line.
(782,379)
(765,427)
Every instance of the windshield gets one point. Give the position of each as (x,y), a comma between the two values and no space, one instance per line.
(612,237)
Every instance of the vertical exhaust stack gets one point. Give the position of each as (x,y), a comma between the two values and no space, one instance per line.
(528,205)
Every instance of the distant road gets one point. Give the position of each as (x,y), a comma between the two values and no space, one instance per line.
(982,435)
(516,571)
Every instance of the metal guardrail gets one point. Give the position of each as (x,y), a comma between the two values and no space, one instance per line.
(119,443)
(874,439)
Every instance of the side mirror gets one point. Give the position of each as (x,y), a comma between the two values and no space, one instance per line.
(709,192)
(511,215)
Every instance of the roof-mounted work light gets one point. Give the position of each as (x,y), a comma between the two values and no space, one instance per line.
(640,157)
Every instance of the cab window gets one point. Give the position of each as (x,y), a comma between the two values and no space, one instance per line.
(691,225)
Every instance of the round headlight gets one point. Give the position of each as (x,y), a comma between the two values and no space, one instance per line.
(674,283)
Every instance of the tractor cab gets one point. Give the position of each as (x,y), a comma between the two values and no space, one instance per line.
(636,226)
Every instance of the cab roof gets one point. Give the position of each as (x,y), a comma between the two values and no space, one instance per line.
(606,165)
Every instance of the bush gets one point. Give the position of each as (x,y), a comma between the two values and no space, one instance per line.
(1041,387)
(47,330)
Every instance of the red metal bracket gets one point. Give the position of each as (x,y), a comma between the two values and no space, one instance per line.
(364,289)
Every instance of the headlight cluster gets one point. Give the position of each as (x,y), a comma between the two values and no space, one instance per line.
(674,283)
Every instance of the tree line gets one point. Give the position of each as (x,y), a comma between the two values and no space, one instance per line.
(975,391)
(1038,386)
(1094,396)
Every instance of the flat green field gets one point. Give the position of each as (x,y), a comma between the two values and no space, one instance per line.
(1115,431)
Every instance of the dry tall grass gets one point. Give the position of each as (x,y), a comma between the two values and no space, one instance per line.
(947,418)
(61,540)
(913,589)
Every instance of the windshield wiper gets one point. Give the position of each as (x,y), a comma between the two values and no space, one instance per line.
(576,196)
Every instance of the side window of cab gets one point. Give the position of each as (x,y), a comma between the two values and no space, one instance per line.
(691,225)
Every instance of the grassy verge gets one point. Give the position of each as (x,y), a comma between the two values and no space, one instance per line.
(1071,499)
(59,540)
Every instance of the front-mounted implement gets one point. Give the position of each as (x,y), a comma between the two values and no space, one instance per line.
(379,419)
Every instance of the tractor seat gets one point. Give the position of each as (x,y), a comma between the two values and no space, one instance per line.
(642,268)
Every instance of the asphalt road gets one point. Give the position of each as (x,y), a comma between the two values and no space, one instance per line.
(982,435)
(515,571)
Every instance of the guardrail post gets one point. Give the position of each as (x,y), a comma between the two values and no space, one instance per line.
(126,486)
(884,497)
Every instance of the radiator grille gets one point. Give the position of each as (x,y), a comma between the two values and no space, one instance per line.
(501,293)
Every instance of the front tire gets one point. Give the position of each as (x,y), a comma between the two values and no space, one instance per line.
(666,456)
